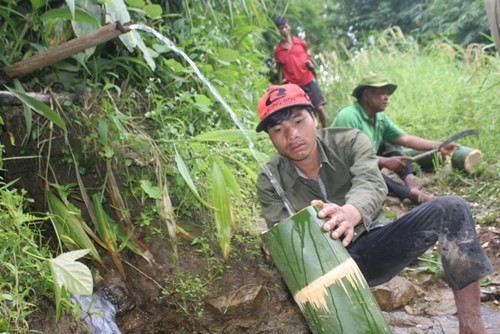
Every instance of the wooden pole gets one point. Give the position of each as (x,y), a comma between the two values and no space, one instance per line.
(65,50)
(324,280)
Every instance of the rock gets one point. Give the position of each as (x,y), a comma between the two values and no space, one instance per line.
(396,293)
(243,301)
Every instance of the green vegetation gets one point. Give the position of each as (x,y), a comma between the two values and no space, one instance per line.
(152,151)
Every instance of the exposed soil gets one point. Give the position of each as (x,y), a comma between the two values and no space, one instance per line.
(264,304)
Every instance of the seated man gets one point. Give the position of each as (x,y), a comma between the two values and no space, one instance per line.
(367,115)
(336,169)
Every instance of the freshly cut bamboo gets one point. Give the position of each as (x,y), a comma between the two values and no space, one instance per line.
(326,283)
(467,159)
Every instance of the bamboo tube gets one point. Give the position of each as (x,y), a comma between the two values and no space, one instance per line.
(467,159)
(65,50)
(326,283)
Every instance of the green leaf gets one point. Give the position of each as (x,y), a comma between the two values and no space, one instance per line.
(40,108)
(231,135)
(64,13)
(223,220)
(181,166)
(229,178)
(28,116)
(153,11)
(227,55)
(202,102)
(175,65)
(154,192)
(74,276)
(71,5)
(135,3)
(69,226)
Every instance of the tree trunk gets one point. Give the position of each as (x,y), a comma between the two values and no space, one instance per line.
(325,281)
(467,159)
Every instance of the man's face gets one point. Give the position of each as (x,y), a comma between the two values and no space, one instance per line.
(376,98)
(295,138)
(284,29)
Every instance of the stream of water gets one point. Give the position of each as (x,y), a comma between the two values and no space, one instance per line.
(215,93)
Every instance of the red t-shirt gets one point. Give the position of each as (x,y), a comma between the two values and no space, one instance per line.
(293,62)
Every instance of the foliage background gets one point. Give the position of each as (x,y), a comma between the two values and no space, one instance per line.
(180,161)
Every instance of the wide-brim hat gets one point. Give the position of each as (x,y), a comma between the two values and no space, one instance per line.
(279,97)
(373,80)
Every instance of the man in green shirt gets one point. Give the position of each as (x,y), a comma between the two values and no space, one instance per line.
(336,169)
(367,114)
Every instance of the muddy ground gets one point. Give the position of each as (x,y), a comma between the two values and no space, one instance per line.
(250,296)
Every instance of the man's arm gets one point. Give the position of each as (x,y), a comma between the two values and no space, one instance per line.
(418,143)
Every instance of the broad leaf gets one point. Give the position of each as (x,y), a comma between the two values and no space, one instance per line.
(154,192)
(74,276)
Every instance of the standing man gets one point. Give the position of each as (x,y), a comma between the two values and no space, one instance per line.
(367,114)
(336,169)
(292,55)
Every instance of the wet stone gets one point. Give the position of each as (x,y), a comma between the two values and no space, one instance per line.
(243,301)
(396,293)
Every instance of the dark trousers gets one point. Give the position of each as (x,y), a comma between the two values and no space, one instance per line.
(384,251)
(398,189)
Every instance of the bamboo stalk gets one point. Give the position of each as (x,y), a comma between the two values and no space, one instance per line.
(467,159)
(65,50)
(326,283)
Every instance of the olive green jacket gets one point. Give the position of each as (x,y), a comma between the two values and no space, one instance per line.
(348,170)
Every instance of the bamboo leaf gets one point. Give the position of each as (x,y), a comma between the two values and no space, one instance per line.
(231,135)
(28,116)
(40,108)
(181,166)
(69,226)
(74,276)
(229,178)
(222,215)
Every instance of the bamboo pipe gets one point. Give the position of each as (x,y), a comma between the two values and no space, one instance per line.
(65,50)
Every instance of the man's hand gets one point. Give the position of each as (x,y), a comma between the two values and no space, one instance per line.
(309,64)
(448,149)
(394,163)
(342,220)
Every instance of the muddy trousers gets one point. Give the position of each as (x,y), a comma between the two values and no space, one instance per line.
(383,252)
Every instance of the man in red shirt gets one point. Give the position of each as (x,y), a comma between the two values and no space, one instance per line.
(292,55)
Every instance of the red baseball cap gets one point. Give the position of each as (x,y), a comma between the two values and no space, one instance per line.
(279,97)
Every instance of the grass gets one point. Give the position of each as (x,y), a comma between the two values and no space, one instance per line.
(442,90)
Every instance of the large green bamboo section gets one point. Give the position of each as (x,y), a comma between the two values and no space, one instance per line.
(325,281)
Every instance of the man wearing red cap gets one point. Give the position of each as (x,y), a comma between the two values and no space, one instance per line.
(336,169)
(292,55)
